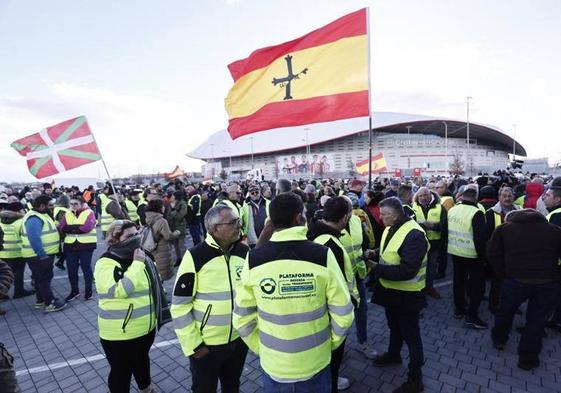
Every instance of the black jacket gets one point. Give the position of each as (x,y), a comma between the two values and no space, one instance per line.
(317,228)
(526,247)
(556,218)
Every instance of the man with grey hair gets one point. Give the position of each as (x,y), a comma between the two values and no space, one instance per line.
(203,300)
(282,186)
(400,275)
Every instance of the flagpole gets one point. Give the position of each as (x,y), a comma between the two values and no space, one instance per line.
(105,166)
(369,102)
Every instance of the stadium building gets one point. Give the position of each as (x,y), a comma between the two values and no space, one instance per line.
(408,143)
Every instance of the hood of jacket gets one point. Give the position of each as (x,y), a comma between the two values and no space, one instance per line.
(318,227)
(534,190)
(152,217)
(8,216)
(434,201)
(499,209)
(525,216)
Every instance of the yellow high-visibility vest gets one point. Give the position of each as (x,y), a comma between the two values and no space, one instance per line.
(460,231)
(12,240)
(85,238)
(389,256)
(433,216)
(49,235)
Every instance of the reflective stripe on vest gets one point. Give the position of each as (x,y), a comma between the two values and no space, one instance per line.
(129,317)
(460,231)
(12,240)
(49,236)
(353,245)
(190,204)
(389,256)
(84,238)
(106,218)
(433,216)
(132,210)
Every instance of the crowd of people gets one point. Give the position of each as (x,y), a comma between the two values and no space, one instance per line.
(285,268)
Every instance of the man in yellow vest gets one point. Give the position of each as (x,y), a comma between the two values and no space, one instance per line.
(446,199)
(40,244)
(255,212)
(111,209)
(494,217)
(203,303)
(431,216)
(80,240)
(552,201)
(293,307)
(400,273)
(466,243)
(11,219)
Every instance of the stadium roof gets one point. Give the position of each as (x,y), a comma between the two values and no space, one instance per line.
(220,145)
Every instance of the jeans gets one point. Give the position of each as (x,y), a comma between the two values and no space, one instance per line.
(224,363)
(469,279)
(361,313)
(84,260)
(179,247)
(128,358)
(195,231)
(319,383)
(432,263)
(404,326)
(42,271)
(542,300)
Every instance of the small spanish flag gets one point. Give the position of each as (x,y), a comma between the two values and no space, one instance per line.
(320,77)
(378,165)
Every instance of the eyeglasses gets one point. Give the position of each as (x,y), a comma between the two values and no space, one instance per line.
(234,222)
(254,192)
(75,203)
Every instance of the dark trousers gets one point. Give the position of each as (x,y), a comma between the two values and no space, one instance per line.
(179,247)
(224,363)
(83,259)
(195,231)
(469,280)
(319,383)
(336,360)
(128,358)
(495,293)
(542,300)
(442,258)
(42,271)
(18,267)
(404,326)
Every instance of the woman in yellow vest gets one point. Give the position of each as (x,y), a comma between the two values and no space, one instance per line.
(61,207)
(77,227)
(127,308)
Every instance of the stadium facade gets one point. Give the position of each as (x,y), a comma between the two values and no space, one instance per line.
(431,145)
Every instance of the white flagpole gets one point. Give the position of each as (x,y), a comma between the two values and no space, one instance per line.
(105,166)
(369,102)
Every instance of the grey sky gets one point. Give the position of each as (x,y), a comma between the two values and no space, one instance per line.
(151,76)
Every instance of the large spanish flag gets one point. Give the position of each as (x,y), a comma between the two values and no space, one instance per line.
(378,165)
(320,77)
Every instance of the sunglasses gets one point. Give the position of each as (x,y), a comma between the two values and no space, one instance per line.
(254,192)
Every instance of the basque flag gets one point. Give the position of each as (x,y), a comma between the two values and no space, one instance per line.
(58,148)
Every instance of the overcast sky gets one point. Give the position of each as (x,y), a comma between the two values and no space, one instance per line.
(151,75)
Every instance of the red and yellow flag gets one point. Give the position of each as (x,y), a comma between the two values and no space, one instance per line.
(320,77)
(378,165)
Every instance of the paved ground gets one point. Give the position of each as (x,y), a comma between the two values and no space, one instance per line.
(60,352)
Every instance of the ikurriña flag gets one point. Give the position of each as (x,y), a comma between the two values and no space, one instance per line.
(58,148)
(319,77)
(378,165)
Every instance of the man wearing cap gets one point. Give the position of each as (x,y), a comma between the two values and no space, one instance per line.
(394,186)
(256,211)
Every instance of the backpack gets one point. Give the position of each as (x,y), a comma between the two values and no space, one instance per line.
(147,239)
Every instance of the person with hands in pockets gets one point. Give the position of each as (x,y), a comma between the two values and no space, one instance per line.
(203,303)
